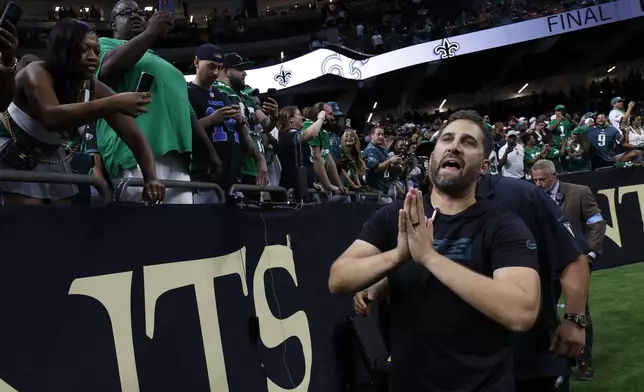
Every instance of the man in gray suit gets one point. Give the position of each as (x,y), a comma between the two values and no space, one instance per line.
(579,205)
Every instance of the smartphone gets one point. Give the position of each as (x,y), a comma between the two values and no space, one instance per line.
(145,83)
(12,14)
(270,93)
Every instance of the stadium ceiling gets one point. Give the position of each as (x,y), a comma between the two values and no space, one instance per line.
(516,64)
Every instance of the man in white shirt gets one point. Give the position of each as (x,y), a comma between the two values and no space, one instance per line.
(511,157)
(615,115)
(360,31)
(376,39)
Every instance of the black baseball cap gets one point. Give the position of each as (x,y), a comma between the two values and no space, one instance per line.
(210,52)
(425,148)
(235,60)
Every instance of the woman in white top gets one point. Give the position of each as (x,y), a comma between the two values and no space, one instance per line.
(54,101)
(633,141)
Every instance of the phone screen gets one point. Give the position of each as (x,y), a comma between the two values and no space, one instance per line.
(145,83)
(12,14)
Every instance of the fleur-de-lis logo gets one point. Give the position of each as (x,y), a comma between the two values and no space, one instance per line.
(447,49)
(283,77)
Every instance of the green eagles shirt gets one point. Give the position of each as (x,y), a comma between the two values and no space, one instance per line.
(166,126)
(249,107)
(554,155)
(577,163)
(352,168)
(563,131)
(530,154)
(322,140)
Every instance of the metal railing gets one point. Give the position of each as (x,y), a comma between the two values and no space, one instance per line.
(356,196)
(121,185)
(273,190)
(51,178)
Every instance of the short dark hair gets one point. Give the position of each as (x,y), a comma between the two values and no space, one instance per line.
(373,129)
(525,138)
(473,117)
(547,138)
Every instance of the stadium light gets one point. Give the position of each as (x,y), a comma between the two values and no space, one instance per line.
(369,119)
(375,104)
(523,88)
(611,69)
(442,104)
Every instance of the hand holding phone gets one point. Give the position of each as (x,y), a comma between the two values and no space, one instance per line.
(11,14)
(9,33)
(145,83)
(270,107)
(160,23)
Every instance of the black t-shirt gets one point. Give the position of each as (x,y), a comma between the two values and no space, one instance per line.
(224,137)
(556,247)
(286,152)
(438,341)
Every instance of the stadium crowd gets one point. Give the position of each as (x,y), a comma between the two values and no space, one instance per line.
(220,130)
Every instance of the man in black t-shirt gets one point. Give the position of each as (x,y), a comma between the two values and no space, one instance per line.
(459,282)
(537,367)
(221,119)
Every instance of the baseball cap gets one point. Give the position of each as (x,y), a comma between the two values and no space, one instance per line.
(209,52)
(615,100)
(561,108)
(513,133)
(425,148)
(336,108)
(235,60)
(580,130)
(521,119)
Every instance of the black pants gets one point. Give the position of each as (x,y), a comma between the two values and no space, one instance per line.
(553,384)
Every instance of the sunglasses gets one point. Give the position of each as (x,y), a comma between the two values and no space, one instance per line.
(129,12)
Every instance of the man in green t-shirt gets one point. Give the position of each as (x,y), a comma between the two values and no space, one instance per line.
(170,123)
(560,126)
(324,165)
(488,126)
(231,81)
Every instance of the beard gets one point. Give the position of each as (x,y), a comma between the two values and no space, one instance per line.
(454,184)
(237,84)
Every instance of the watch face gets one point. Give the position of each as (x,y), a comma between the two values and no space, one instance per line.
(583,320)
